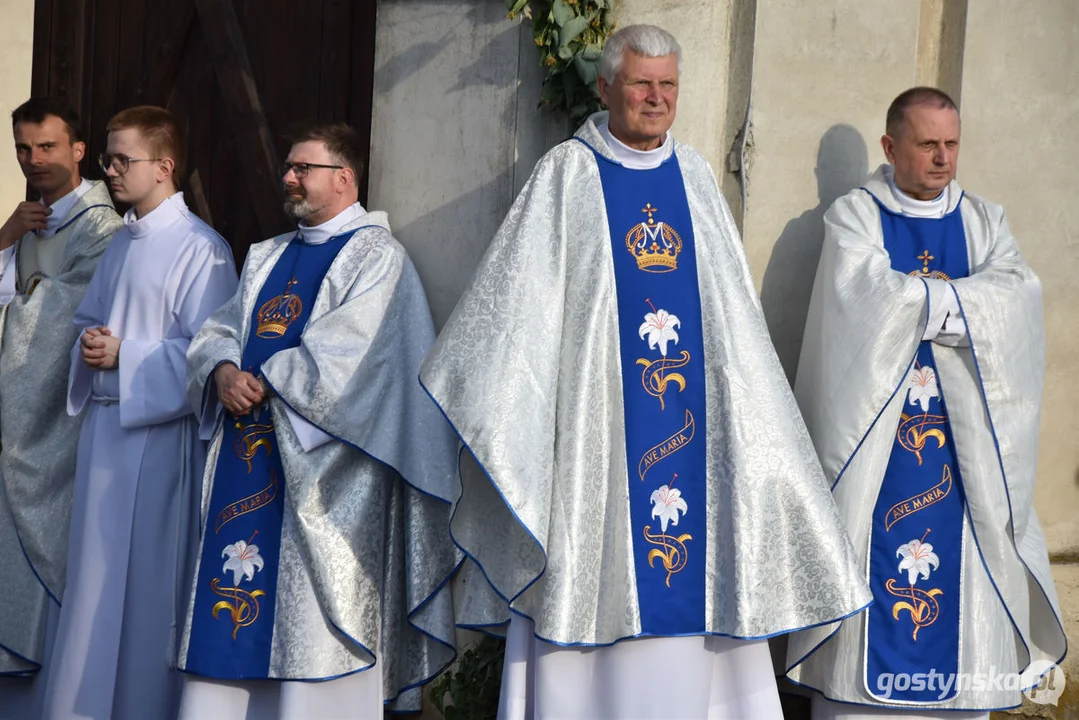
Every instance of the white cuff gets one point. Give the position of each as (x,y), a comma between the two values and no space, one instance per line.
(212,408)
(954,333)
(951,300)
(310,437)
(942,301)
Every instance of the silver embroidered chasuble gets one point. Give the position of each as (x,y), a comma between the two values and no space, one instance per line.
(857,375)
(528,370)
(38,440)
(365,554)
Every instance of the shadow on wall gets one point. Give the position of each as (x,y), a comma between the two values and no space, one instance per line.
(842,165)
(403,65)
(486,70)
(447,243)
(494,155)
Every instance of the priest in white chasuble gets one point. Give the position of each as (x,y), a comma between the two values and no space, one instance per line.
(921,381)
(321,589)
(48,251)
(134,520)
(639,487)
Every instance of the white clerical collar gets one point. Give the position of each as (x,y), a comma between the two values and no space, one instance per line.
(161,216)
(62,207)
(321,233)
(636,159)
(935,208)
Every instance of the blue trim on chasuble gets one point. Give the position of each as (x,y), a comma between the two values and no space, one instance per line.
(82,212)
(233,620)
(31,285)
(662,353)
(916,541)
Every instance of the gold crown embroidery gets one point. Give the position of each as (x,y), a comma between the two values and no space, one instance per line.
(655,245)
(277,313)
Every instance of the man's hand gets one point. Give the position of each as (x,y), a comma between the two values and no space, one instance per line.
(237,390)
(100,350)
(28,216)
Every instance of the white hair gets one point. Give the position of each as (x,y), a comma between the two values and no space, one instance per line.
(647,40)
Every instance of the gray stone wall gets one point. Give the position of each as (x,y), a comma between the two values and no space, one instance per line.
(787,99)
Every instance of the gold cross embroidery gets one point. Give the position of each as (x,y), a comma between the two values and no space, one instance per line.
(650,210)
(925,257)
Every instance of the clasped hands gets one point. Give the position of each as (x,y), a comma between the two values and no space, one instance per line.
(239,391)
(100,350)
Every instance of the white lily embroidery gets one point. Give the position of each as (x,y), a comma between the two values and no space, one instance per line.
(243,559)
(659,327)
(667,502)
(923,386)
(917,557)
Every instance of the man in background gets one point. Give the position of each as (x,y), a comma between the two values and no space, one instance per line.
(48,251)
(921,381)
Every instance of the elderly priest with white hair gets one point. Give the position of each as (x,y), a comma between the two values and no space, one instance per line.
(639,490)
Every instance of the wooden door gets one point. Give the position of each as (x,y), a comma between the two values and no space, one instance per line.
(240,74)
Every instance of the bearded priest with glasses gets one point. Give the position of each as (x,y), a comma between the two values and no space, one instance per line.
(321,586)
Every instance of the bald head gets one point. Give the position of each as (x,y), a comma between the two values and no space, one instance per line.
(922,142)
(927,97)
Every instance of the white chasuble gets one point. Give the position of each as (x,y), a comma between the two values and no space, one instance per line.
(39,440)
(889,394)
(322,583)
(638,489)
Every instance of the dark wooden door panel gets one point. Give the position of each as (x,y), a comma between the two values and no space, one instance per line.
(238,73)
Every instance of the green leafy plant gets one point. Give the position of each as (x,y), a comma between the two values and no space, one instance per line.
(570,35)
(469,689)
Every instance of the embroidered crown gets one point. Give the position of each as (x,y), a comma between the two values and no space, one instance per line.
(277,313)
(655,245)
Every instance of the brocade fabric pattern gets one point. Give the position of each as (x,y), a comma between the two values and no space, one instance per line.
(528,371)
(39,440)
(864,325)
(366,555)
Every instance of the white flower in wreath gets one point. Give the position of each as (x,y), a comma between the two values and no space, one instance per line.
(917,557)
(923,386)
(243,559)
(659,327)
(667,503)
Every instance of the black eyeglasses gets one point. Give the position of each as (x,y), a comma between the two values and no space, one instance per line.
(300,170)
(119,163)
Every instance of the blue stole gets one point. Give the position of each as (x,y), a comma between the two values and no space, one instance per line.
(233,621)
(916,545)
(663,390)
